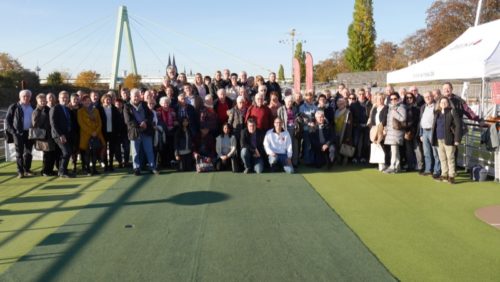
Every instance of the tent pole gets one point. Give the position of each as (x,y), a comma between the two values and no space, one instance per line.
(478,12)
(481,104)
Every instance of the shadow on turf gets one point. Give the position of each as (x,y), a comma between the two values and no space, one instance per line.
(198,198)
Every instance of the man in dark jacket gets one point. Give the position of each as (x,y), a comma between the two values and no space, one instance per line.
(322,138)
(252,150)
(139,120)
(62,131)
(18,121)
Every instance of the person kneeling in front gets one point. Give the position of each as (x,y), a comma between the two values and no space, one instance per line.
(252,151)
(278,146)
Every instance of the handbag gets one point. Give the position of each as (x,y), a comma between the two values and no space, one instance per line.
(347,150)
(396,124)
(204,165)
(36,133)
(377,154)
(94,143)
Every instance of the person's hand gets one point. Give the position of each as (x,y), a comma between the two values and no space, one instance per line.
(223,157)
(94,134)
(196,155)
(289,161)
(421,139)
(272,154)
(178,158)
(63,139)
(324,148)
(256,154)
(143,125)
(457,143)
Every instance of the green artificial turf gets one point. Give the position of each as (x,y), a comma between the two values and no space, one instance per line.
(422,230)
(209,227)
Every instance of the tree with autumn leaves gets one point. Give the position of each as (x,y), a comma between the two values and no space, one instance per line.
(445,21)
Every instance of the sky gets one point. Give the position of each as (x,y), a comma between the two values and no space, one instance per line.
(205,36)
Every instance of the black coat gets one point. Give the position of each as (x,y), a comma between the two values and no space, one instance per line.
(328,134)
(60,124)
(192,115)
(133,128)
(115,122)
(15,119)
(452,127)
(383,115)
(246,141)
(40,119)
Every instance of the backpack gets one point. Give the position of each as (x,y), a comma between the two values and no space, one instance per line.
(479,173)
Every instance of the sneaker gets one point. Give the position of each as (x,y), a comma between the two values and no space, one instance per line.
(444,179)
(137,172)
(155,172)
(66,176)
(29,173)
(389,171)
(20,175)
(246,171)
(451,180)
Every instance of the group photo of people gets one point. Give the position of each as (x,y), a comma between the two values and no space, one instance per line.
(238,123)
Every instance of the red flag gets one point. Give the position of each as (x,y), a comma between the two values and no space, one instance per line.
(296,75)
(309,72)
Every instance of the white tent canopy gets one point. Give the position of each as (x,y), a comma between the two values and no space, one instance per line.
(473,55)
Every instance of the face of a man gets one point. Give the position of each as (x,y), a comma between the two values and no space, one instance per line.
(447,90)
(64,99)
(428,98)
(320,119)
(136,98)
(272,77)
(25,99)
(251,127)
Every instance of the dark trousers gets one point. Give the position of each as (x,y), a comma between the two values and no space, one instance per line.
(24,146)
(49,159)
(112,144)
(229,164)
(186,162)
(66,151)
(123,145)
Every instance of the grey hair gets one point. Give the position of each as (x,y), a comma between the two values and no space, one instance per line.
(165,98)
(24,92)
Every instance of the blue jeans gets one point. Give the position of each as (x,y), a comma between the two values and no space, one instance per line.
(430,153)
(281,160)
(250,161)
(144,142)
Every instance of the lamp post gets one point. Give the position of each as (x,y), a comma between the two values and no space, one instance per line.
(292,33)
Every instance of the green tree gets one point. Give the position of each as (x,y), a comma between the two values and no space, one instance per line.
(281,73)
(55,79)
(360,53)
(132,81)
(87,79)
(301,56)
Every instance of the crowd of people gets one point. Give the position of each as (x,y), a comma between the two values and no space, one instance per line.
(238,123)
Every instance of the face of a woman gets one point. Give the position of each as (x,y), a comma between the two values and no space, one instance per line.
(444,104)
(86,102)
(107,101)
(225,129)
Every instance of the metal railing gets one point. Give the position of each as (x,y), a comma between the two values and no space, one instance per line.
(472,152)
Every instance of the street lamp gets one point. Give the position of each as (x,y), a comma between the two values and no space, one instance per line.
(292,33)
